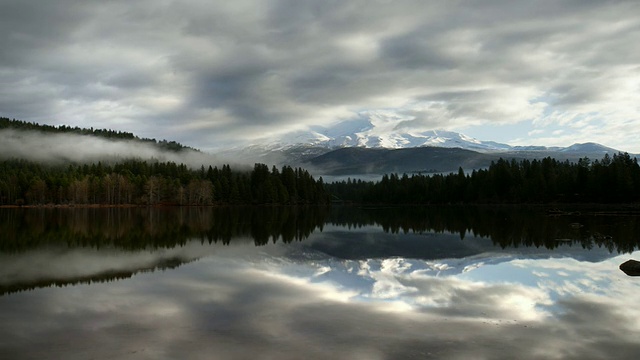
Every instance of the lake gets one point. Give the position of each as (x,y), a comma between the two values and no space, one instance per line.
(318,283)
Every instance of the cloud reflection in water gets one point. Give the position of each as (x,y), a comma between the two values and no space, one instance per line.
(289,302)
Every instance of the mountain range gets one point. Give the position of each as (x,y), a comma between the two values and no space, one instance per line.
(363,146)
(368,133)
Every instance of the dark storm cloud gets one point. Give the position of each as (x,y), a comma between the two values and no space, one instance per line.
(222,72)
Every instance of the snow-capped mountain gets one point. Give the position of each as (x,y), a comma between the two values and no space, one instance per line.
(369,133)
(377,145)
(378,132)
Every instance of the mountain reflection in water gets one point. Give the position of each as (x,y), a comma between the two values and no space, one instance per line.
(345,283)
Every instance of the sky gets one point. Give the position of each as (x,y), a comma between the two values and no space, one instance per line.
(218,74)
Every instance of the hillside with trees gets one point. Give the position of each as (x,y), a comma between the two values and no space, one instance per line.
(6,123)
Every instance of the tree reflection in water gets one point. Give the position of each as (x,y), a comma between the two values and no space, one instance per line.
(143,228)
(32,230)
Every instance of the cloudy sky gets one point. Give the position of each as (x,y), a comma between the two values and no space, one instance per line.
(220,73)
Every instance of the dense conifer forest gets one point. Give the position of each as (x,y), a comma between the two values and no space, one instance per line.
(154,183)
(612,179)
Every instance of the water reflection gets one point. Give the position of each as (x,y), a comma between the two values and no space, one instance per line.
(261,303)
(90,245)
(142,228)
(59,246)
(506,226)
(453,283)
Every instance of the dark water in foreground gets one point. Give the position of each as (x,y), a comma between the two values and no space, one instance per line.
(316,283)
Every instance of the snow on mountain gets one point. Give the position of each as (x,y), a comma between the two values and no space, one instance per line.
(296,138)
(382,130)
(373,133)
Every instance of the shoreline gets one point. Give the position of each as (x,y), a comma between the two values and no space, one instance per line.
(552,209)
(96,206)
(129,206)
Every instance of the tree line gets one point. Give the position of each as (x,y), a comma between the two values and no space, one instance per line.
(612,179)
(139,182)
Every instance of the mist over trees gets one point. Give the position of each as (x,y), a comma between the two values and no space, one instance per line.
(6,123)
(63,170)
(612,179)
(61,145)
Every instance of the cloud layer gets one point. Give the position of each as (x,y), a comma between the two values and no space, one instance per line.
(217,74)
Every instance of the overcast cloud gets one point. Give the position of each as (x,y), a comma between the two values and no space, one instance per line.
(219,73)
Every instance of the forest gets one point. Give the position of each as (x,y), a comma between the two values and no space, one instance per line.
(138,182)
(612,179)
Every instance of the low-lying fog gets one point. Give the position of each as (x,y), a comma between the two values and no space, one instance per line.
(60,148)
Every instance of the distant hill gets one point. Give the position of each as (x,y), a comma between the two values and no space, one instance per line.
(357,161)
(347,161)
(588,148)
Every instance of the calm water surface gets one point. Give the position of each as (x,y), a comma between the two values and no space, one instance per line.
(315,283)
